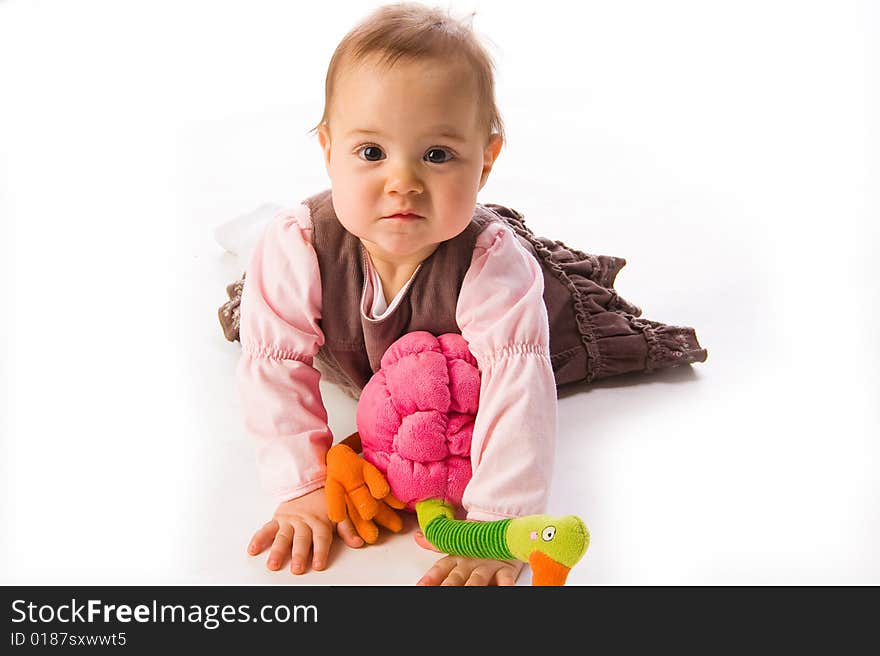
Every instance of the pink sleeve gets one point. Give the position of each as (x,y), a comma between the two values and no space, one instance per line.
(278,387)
(502,316)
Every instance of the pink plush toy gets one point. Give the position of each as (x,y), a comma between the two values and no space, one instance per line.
(416,416)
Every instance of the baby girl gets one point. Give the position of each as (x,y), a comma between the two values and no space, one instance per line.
(410,134)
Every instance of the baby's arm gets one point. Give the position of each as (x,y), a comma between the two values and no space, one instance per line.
(280,398)
(502,315)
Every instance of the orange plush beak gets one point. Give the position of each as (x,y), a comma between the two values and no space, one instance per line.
(546,571)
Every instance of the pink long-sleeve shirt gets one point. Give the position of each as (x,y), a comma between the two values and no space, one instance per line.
(502,316)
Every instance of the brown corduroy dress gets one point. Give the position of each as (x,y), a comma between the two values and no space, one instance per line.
(594,333)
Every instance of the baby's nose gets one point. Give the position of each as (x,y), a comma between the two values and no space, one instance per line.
(403,180)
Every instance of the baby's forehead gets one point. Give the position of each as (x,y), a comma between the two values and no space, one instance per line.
(407,97)
(368,125)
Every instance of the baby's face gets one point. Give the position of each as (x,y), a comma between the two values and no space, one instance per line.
(408,139)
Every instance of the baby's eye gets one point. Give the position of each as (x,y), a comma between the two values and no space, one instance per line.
(435,155)
(439,150)
(371,152)
(548,533)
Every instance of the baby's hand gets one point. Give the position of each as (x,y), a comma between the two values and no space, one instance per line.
(299,527)
(459,570)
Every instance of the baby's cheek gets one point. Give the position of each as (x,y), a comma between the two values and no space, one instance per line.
(350,215)
(458,218)
(351,201)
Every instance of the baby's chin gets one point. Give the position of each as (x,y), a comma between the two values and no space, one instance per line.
(400,246)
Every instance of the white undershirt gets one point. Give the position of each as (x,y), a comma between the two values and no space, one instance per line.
(380,309)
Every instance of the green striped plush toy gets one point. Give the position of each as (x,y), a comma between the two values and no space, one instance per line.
(551,545)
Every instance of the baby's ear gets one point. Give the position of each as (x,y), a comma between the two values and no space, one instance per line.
(324,140)
(495,143)
(490,154)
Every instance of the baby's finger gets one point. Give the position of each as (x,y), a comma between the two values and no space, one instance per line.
(302,545)
(438,573)
(482,575)
(422,541)
(349,535)
(506,576)
(457,576)
(365,528)
(263,538)
(322,538)
(388,518)
(280,547)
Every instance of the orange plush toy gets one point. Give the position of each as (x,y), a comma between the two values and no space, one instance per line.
(357,490)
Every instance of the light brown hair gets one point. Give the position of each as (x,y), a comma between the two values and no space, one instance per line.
(412,31)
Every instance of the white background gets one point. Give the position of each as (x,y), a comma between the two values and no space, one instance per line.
(728,151)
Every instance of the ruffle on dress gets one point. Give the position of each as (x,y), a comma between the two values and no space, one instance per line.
(594,332)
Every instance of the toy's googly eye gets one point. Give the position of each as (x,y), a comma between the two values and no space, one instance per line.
(548,533)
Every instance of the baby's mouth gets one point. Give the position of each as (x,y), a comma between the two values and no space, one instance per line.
(406,216)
